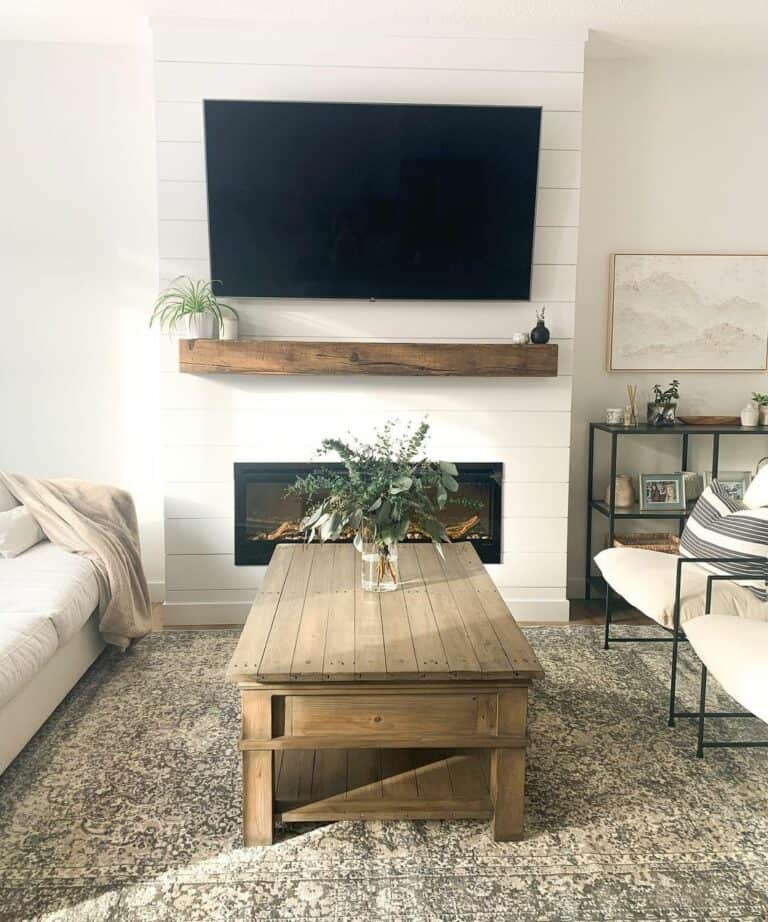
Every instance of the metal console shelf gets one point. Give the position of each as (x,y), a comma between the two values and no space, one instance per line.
(609,510)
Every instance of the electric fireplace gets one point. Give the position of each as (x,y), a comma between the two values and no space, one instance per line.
(265,516)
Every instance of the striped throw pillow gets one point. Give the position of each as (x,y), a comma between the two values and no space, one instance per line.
(720,526)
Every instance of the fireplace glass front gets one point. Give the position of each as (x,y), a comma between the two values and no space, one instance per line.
(264,516)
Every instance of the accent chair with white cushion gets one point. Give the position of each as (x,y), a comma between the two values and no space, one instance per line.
(722,536)
(735,652)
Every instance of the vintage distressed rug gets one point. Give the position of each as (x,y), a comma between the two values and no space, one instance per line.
(127,807)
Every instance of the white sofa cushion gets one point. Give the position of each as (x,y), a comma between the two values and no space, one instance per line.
(720,526)
(27,641)
(735,651)
(646,579)
(53,582)
(6,500)
(19,531)
(757,492)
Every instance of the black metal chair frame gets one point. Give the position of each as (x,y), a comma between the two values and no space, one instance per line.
(703,714)
(676,633)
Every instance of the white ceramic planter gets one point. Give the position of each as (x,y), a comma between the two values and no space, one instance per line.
(201,326)
(764,415)
(228,328)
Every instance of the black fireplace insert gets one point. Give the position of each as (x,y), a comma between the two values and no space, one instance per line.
(265,516)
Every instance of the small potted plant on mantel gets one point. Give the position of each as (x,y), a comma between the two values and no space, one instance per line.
(386,491)
(190,308)
(662,410)
(762,405)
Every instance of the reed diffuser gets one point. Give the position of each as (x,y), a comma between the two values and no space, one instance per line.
(632,407)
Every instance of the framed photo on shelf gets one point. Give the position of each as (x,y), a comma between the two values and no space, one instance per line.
(734,483)
(662,492)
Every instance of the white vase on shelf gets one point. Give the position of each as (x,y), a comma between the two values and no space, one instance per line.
(625,492)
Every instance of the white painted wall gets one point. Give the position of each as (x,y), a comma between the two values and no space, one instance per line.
(78,371)
(675,155)
(210,422)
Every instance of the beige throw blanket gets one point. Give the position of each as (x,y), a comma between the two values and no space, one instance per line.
(99,523)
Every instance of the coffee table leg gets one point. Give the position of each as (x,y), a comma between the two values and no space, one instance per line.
(257,769)
(508,793)
(257,797)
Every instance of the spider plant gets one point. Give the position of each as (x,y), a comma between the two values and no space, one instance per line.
(185,298)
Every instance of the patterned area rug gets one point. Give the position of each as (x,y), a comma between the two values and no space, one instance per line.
(127,806)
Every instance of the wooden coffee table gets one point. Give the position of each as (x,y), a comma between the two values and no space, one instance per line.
(409,704)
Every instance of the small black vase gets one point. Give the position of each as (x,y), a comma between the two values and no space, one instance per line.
(539,334)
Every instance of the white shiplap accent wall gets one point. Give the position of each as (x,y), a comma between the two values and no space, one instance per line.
(209,422)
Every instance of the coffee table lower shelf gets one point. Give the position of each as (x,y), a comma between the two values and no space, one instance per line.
(385,784)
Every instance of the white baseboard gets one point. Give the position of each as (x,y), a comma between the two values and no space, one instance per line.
(197,613)
(156,590)
(194,614)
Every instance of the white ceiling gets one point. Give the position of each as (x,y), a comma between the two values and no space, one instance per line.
(619,27)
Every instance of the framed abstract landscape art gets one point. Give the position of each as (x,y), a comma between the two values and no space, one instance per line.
(688,312)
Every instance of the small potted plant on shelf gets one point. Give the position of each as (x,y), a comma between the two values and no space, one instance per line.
(762,404)
(662,410)
(190,308)
(387,491)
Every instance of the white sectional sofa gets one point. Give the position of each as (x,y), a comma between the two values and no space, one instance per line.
(48,635)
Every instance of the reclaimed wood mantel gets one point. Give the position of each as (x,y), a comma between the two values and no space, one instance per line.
(281,357)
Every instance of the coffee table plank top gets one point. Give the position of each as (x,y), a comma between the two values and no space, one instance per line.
(446,621)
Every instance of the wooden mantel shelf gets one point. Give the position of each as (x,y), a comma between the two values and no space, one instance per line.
(281,357)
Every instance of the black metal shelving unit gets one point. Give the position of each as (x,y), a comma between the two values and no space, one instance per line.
(609,510)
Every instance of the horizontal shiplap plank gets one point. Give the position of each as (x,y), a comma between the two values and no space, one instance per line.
(299,434)
(548,500)
(180,162)
(548,283)
(367,50)
(190,82)
(184,234)
(556,283)
(184,201)
(172,267)
(225,596)
(183,122)
(217,571)
(187,239)
(214,463)
(392,395)
(557,208)
(559,169)
(185,162)
(216,535)
(555,245)
(414,321)
(560,131)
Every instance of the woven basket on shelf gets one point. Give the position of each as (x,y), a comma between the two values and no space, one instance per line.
(650,541)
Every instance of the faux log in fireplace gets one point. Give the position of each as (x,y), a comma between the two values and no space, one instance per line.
(265,517)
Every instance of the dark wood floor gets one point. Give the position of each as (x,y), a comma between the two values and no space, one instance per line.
(593,612)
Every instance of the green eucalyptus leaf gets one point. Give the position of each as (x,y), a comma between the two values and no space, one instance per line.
(442,495)
(450,483)
(375,505)
(401,484)
(382,516)
(448,467)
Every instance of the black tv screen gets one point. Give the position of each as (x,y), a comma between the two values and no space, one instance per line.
(348,200)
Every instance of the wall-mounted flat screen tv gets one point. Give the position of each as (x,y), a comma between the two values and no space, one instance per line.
(348,200)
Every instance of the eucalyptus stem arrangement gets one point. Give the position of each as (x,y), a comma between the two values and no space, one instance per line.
(386,489)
